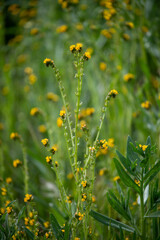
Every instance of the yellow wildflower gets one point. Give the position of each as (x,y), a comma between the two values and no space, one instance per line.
(143,147)
(72,48)
(137,182)
(44,141)
(70,176)
(32,79)
(102,66)
(61,29)
(84,183)
(3,191)
(34,31)
(16,163)
(9,210)
(128,77)
(28,197)
(48,62)
(113,93)
(14,136)
(56,164)
(110,142)
(59,122)
(34,111)
(42,128)
(2,210)
(48,159)
(146,105)
(130,25)
(101,172)
(28,70)
(31,214)
(46,224)
(31,222)
(8,180)
(79,47)
(62,114)
(52,97)
(126,36)
(116,178)
(106,33)
(79,26)
(93,199)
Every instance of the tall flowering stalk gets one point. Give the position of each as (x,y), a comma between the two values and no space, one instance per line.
(84,176)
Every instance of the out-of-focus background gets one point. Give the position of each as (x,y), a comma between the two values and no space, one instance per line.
(123,39)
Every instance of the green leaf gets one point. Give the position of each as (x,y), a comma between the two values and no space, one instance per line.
(21,213)
(115,203)
(151,174)
(56,227)
(11,203)
(153,215)
(29,233)
(125,162)
(110,221)
(131,155)
(67,232)
(127,180)
(148,142)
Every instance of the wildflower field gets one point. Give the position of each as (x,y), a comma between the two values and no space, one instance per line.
(80,119)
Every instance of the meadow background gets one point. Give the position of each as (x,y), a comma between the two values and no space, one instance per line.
(126,41)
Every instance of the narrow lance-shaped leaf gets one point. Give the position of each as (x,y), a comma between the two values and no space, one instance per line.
(110,221)
(153,215)
(115,203)
(56,227)
(127,180)
(151,174)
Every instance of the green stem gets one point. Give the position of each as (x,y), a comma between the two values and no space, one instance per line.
(65,103)
(26,175)
(78,93)
(142,210)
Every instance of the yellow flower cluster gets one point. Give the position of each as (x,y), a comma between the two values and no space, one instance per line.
(102,66)
(86,112)
(62,114)
(56,164)
(130,25)
(46,224)
(143,147)
(17,163)
(70,176)
(52,97)
(79,216)
(61,29)
(69,199)
(77,47)
(86,56)
(8,180)
(34,111)
(48,159)
(42,128)
(3,191)
(137,182)
(59,122)
(84,183)
(126,36)
(128,77)
(28,197)
(116,178)
(48,62)
(146,105)
(113,93)
(34,31)
(44,141)
(9,210)
(84,197)
(66,3)
(106,33)
(53,149)
(47,235)
(14,136)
